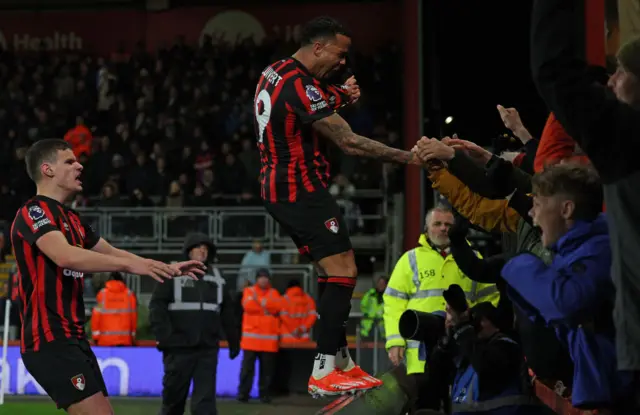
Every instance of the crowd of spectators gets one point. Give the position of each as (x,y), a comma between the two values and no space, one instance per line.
(170,128)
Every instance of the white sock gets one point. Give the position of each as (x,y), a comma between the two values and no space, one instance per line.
(323,365)
(343,360)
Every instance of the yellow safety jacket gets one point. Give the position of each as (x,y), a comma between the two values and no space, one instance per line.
(417,283)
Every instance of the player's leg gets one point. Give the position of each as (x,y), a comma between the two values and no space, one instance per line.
(344,263)
(96,404)
(327,238)
(314,224)
(87,406)
(67,375)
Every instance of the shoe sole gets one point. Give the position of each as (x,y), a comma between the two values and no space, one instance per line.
(339,403)
(318,393)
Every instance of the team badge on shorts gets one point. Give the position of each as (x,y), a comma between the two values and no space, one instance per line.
(78,382)
(332,225)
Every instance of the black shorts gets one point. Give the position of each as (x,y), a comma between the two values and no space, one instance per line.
(315,224)
(68,372)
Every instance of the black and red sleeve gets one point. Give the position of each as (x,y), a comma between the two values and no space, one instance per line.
(337,96)
(91,235)
(307,100)
(34,220)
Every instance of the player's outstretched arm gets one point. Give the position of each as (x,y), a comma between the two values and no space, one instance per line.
(336,129)
(188,268)
(55,246)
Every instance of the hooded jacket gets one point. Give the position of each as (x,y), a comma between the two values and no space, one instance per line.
(575,294)
(194,314)
(114,320)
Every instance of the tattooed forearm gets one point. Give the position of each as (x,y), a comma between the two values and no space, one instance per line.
(336,129)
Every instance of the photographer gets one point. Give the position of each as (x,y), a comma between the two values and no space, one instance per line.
(490,370)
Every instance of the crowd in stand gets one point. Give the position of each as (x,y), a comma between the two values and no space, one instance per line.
(171,128)
(565,275)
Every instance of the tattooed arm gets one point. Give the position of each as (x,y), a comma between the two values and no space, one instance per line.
(336,129)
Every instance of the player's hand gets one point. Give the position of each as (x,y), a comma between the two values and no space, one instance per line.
(477,153)
(396,355)
(433,149)
(190,268)
(157,270)
(353,89)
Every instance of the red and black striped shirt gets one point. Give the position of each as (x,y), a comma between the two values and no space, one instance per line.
(288,100)
(51,303)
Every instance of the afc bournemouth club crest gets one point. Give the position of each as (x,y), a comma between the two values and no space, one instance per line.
(78,382)
(332,225)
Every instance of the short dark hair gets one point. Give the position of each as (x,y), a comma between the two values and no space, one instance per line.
(321,27)
(577,181)
(43,151)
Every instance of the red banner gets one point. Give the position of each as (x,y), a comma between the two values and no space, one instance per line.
(101,31)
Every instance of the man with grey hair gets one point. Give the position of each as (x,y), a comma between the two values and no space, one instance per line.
(605,122)
(417,283)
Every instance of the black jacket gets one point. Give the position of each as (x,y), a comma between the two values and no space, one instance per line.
(194,314)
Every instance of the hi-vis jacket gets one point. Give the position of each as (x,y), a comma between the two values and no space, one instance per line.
(417,283)
(115,318)
(261,320)
(192,314)
(372,309)
(297,317)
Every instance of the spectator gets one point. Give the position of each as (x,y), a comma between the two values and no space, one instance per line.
(575,292)
(194,113)
(372,307)
(253,260)
(115,318)
(262,305)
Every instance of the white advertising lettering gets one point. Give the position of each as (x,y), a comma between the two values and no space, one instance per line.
(6,371)
(320,105)
(24,378)
(127,371)
(39,224)
(74,274)
(123,370)
(52,41)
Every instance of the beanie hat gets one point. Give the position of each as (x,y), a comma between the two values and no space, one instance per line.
(263,272)
(629,56)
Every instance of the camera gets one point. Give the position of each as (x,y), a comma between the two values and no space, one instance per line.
(427,327)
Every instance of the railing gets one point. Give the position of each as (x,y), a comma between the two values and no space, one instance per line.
(165,228)
(379,360)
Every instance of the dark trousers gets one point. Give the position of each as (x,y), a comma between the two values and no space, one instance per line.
(267,365)
(179,369)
